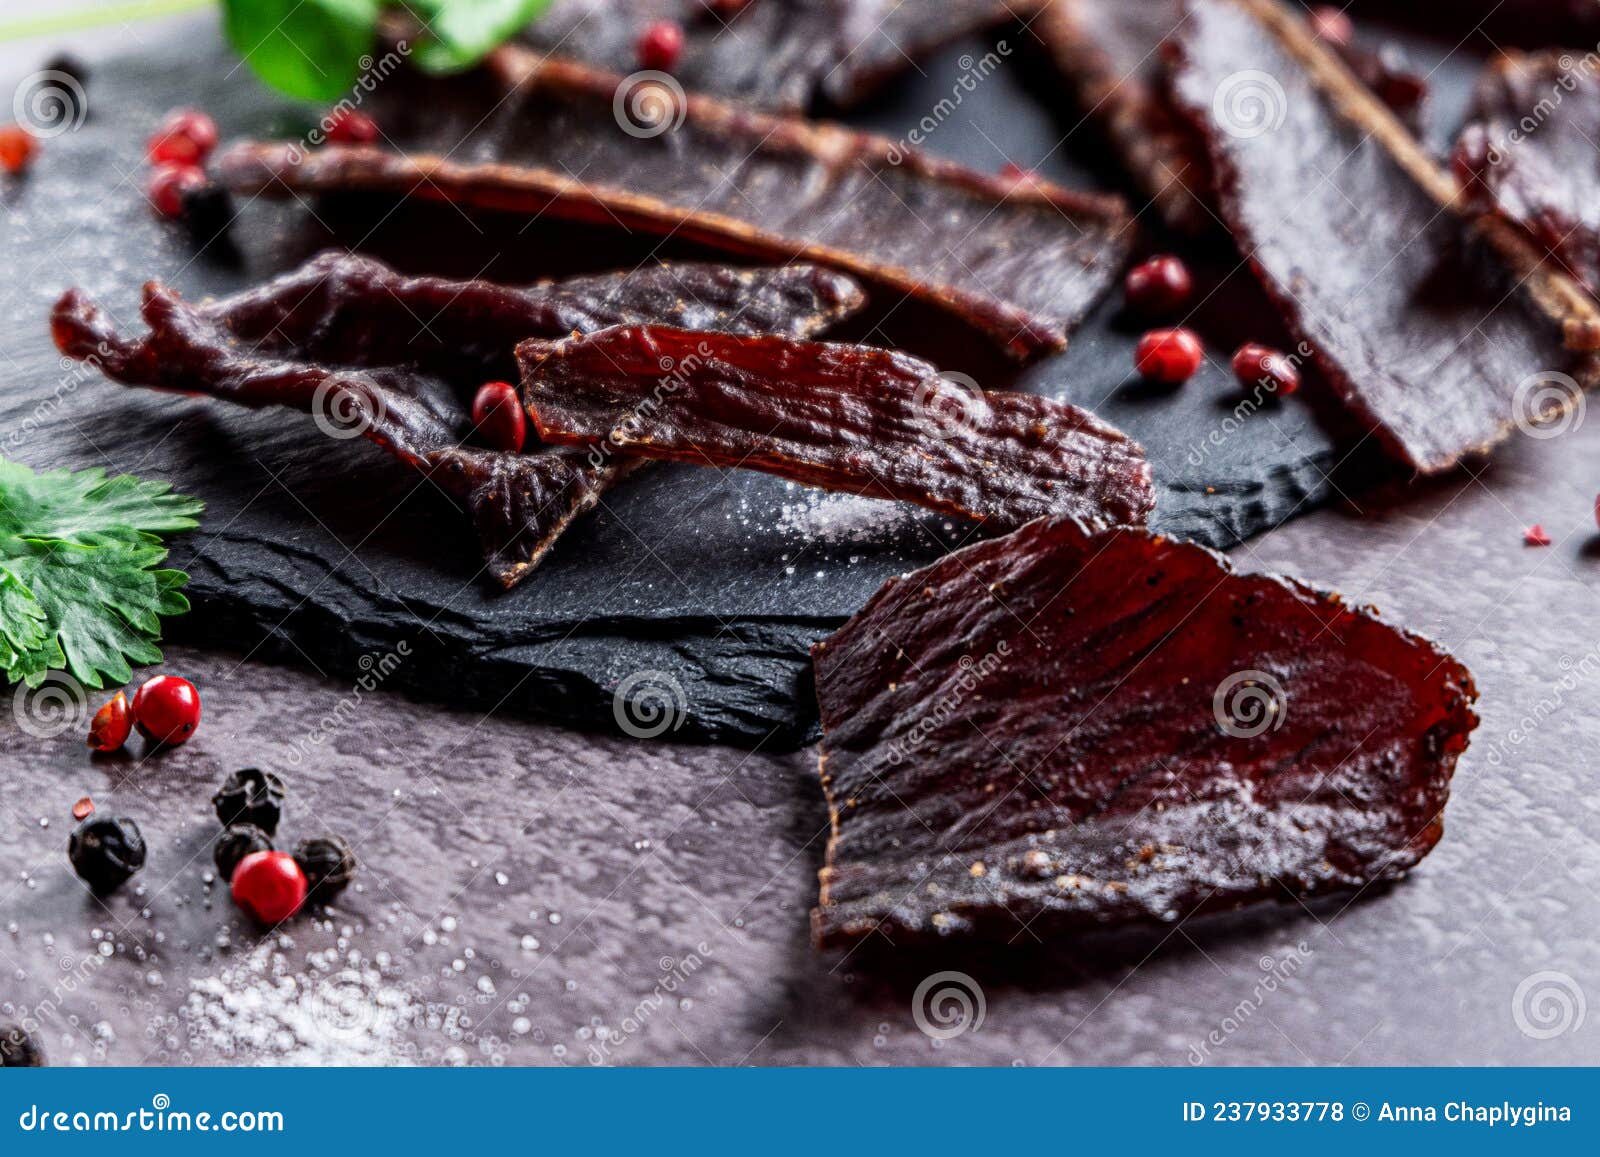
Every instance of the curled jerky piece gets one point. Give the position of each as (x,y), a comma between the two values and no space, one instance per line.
(362,348)
(1529,23)
(774,54)
(1022,261)
(839,416)
(1433,341)
(1531,158)
(1064,729)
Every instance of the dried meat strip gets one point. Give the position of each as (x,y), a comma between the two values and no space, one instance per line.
(780,55)
(351,309)
(838,416)
(1110,52)
(1427,335)
(1114,55)
(1528,153)
(1066,729)
(367,350)
(1022,261)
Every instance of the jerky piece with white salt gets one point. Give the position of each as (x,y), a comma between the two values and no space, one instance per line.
(366,350)
(1437,341)
(835,415)
(1066,729)
(1021,261)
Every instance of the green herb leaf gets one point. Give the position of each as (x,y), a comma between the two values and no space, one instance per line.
(310,49)
(79,584)
(461,32)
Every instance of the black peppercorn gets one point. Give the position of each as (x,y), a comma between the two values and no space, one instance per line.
(106,851)
(18,1050)
(207,211)
(328,864)
(251,796)
(235,844)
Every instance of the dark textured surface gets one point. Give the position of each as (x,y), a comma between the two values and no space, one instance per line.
(1157,735)
(721,580)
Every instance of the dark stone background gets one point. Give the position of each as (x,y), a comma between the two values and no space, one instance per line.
(525,886)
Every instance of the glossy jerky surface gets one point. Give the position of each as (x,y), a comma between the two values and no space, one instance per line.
(364,349)
(1064,729)
(838,416)
(1021,261)
(1425,335)
(1114,54)
(774,54)
(1532,159)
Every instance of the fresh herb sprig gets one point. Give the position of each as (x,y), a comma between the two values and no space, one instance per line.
(312,49)
(80,588)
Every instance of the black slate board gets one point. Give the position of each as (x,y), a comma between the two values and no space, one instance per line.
(709,586)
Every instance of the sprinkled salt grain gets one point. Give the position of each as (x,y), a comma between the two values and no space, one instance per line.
(832,518)
(261,1007)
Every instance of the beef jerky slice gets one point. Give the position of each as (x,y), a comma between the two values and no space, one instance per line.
(843,417)
(1022,261)
(1110,52)
(362,348)
(775,54)
(1430,338)
(1531,157)
(1064,729)
(1113,54)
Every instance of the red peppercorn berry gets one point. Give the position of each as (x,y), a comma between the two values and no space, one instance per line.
(352,128)
(17,148)
(660,46)
(185,137)
(111,725)
(83,809)
(269,885)
(498,415)
(1168,356)
(1536,535)
(169,185)
(1330,24)
(1259,365)
(1158,287)
(166,709)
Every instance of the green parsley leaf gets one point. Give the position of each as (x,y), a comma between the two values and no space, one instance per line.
(310,49)
(79,584)
(462,32)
